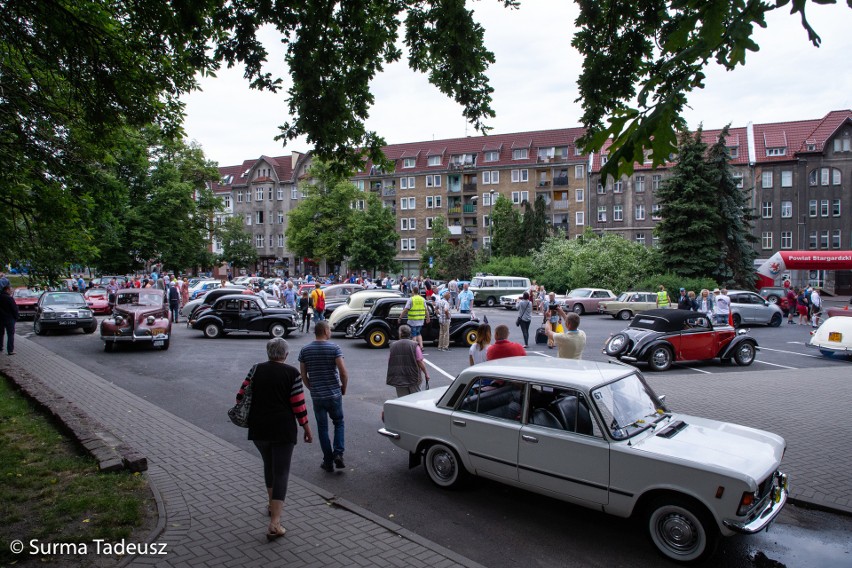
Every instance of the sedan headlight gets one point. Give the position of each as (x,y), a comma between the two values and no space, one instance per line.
(85,313)
(49,315)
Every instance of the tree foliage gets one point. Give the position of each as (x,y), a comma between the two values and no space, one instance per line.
(509,265)
(641,58)
(449,260)
(238,250)
(374,237)
(505,227)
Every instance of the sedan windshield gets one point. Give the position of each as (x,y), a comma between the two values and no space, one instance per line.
(580,293)
(628,406)
(25,293)
(63,298)
(623,297)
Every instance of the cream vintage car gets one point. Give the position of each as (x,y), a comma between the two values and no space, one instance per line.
(833,337)
(596,435)
(628,304)
(356,304)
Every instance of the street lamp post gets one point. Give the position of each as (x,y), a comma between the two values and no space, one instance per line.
(491,224)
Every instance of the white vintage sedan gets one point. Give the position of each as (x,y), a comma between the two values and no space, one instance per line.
(834,337)
(595,434)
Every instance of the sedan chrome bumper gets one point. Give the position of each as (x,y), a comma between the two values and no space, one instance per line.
(388,434)
(773,506)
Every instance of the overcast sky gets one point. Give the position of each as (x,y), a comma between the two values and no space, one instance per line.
(534,80)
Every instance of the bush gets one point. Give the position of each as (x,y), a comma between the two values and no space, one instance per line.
(508,266)
(674,283)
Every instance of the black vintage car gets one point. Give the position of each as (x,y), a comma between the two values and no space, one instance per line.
(241,313)
(63,310)
(381,324)
(661,337)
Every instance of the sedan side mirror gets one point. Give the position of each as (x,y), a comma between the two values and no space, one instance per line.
(765,302)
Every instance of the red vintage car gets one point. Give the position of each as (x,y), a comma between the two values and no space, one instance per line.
(26,301)
(98,300)
(140,316)
(662,337)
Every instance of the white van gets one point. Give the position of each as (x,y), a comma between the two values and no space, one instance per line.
(488,289)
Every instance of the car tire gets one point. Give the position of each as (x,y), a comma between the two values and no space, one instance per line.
(212,331)
(773,299)
(622,343)
(681,529)
(165,346)
(377,338)
(491,302)
(578,309)
(625,315)
(660,358)
(92,328)
(444,467)
(826,353)
(109,346)
(744,355)
(738,321)
(469,337)
(776,320)
(37,329)
(277,330)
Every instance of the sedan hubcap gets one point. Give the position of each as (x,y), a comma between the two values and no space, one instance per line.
(661,357)
(444,465)
(677,532)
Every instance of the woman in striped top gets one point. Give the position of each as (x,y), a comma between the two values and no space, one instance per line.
(277,404)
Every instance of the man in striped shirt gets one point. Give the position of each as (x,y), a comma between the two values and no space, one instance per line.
(324,374)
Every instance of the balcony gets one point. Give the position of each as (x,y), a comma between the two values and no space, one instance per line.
(560,204)
(454,188)
(543,185)
(562,180)
(388,191)
(455,166)
(454,210)
(469,187)
(562,228)
(469,208)
(455,230)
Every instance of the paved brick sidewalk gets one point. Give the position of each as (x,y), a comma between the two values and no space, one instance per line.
(212,491)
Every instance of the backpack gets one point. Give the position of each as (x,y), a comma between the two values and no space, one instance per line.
(320,303)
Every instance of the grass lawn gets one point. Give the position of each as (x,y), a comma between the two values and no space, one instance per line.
(52,491)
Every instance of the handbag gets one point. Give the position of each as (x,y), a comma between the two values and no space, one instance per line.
(518,322)
(239,413)
(540,336)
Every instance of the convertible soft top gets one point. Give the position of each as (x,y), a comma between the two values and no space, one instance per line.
(663,320)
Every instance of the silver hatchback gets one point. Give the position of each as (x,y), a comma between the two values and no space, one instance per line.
(751,308)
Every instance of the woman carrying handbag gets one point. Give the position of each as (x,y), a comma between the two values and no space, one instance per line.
(525,310)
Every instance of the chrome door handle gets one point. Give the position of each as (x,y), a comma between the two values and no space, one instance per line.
(459,423)
(531,439)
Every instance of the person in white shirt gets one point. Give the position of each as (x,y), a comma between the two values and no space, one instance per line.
(816,307)
(722,307)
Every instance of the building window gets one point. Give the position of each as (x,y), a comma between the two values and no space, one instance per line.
(433,181)
(738,179)
(776,151)
(248,196)
(248,219)
(787,239)
(656,212)
(519,197)
(813,239)
(843,144)
(259,196)
(579,195)
(602,213)
(835,238)
(486,199)
(258,217)
(520,176)
(294,193)
(656,179)
(490,177)
(786,209)
(438,201)
(486,220)
(280,219)
(258,241)
(766,180)
(280,240)
(406,183)
(835,208)
(786,178)
(429,202)
(429,222)
(604,160)
(359,204)
(409,162)
(766,210)
(766,240)
(239,197)
(409,203)
(520,154)
(601,188)
(359,184)
(813,178)
(618,212)
(733,152)
(403,224)
(492,156)
(823,240)
(835,176)
(825,173)
(226,200)
(655,241)
(579,171)
(812,208)
(640,212)
(640,239)
(639,184)
(486,242)
(434,160)
(618,187)
(823,208)
(580,218)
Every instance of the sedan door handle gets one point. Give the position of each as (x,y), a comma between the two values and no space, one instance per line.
(531,439)
(461,423)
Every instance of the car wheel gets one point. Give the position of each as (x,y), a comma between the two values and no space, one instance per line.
(444,467)
(92,328)
(625,314)
(617,345)
(491,302)
(773,299)
(737,320)
(776,320)
(469,337)
(579,309)
(212,331)
(681,529)
(165,345)
(377,338)
(660,358)
(744,355)
(826,353)
(277,330)
(37,327)
(109,346)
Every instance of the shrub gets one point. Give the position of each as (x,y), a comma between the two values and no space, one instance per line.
(674,283)
(508,266)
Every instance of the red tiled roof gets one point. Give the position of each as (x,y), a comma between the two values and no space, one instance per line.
(826,128)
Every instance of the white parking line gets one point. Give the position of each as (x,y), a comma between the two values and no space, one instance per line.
(694,369)
(540,353)
(791,352)
(439,369)
(774,364)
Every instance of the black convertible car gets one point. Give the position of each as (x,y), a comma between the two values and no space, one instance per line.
(240,313)
(381,324)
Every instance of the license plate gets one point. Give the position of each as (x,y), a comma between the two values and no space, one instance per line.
(158,330)
(835,336)
(158,343)
(67,322)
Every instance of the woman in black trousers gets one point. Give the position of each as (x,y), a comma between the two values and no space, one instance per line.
(525,309)
(277,404)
